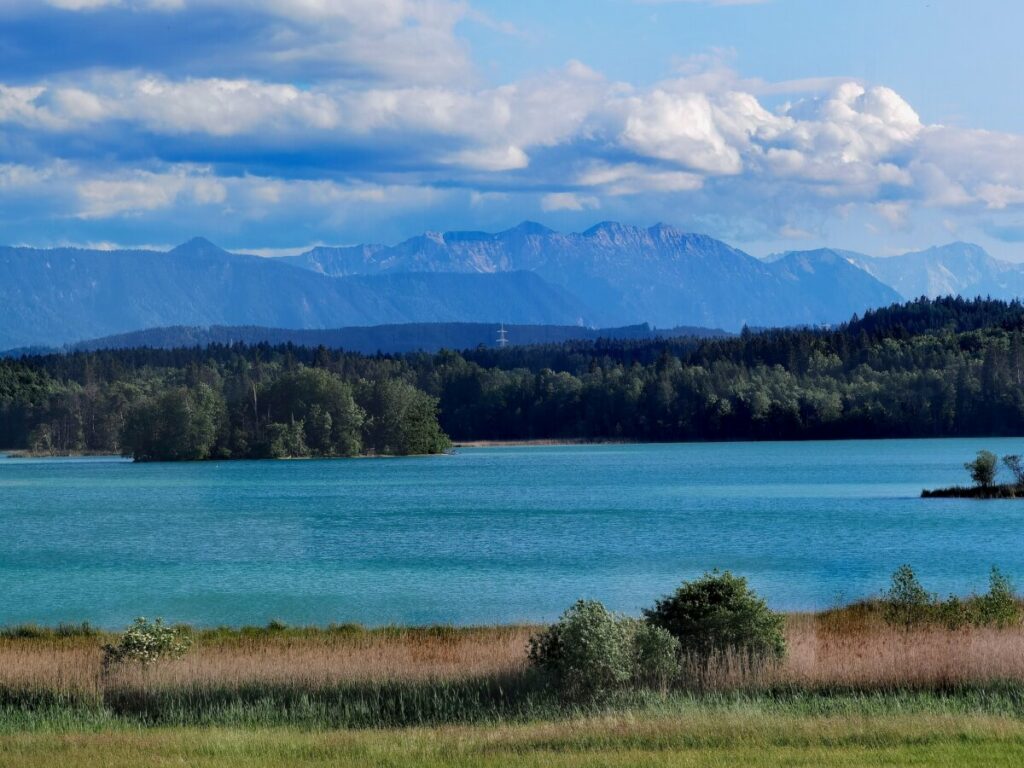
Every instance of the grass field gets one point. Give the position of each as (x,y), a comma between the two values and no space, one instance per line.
(851,691)
(738,736)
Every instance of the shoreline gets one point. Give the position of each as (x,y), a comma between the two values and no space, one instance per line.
(543,443)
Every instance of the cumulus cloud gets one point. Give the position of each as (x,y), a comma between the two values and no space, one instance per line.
(335,106)
(680,128)
(853,144)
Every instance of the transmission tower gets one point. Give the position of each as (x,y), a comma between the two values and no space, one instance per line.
(502,337)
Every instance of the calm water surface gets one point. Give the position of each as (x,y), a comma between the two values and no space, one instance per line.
(488,535)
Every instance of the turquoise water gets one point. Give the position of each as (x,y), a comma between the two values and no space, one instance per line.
(488,535)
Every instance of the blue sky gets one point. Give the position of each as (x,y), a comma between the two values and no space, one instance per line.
(271,125)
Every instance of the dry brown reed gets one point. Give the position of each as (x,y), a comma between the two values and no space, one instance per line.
(74,667)
(850,649)
(863,653)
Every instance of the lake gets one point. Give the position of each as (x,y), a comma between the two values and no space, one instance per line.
(488,534)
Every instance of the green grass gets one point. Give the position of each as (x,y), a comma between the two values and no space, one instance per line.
(751,733)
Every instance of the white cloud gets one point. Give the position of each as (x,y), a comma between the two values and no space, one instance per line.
(507,158)
(636,178)
(703,139)
(143,191)
(680,128)
(568,201)
(17,176)
(894,213)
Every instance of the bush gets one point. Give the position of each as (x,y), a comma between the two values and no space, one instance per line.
(907,603)
(656,655)
(146,642)
(719,613)
(998,607)
(588,652)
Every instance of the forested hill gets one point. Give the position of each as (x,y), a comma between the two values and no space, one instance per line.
(400,338)
(927,368)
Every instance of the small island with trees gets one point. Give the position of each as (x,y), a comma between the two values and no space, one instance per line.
(983,471)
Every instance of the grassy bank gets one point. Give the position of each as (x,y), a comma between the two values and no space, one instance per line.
(852,691)
(747,734)
(350,677)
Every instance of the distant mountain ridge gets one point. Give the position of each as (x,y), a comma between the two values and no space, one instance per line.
(64,295)
(627,274)
(611,275)
(955,269)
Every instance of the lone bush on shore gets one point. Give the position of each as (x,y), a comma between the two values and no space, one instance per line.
(146,642)
(719,614)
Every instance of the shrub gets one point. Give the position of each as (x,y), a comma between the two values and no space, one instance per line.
(998,607)
(983,469)
(146,642)
(719,613)
(954,613)
(588,652)
(907,603)
(656,655)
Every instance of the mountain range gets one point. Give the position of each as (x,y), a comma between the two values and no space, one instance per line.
(611,275)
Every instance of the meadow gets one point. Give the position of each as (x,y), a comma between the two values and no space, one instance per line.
(852,690)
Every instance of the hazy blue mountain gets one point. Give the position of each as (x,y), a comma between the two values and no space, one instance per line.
(628,274)
(611,275)
(829,278)
(336,262)
(948,270)
(64,295)
(407,337)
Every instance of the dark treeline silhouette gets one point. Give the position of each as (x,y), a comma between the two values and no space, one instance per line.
(927,368)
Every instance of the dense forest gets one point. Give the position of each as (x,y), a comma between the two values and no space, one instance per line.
(927,368)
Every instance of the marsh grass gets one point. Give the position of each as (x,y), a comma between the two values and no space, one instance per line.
(348,676)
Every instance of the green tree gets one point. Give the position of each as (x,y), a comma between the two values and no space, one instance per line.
(287,441)
(1015,464)
(719,613)
(983,469)
(177,424)
(323,404)
(402,420)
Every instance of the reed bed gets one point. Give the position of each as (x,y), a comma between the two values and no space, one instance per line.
(354,677)
(63,668)
(855,650)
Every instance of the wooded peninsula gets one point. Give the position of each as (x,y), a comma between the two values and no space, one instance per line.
(928,368)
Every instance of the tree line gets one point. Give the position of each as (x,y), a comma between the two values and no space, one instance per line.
(926,368)
(201,409)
